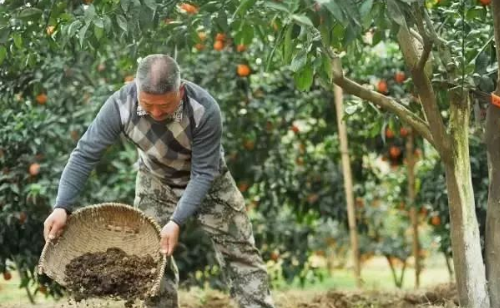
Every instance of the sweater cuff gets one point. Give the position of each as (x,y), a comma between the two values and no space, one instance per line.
(67,208)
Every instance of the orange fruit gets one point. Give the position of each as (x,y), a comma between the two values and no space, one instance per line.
(382,86)
(41,98)
(128,78)
(417,153)
(295,129)
(22,217)
(312,198)
(218,45)
(243,186)
(101,67)
(220,37)
(34,169)
(275,256)
(394,151)
(199,46)
(389,133)
(436,220)
(241,48)
(243,70)
(202,36)
(485,2)
(7,275)
(50,30)
(403,131)
(423,211)
(249,145)
(189,8)
(399,77)
(274,25)
(74,135)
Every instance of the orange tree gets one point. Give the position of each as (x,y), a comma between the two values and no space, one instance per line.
(311,37)
(52,87)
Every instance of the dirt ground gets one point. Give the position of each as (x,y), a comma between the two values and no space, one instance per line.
(440,296)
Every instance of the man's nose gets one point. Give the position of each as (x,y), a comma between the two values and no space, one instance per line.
(156,113)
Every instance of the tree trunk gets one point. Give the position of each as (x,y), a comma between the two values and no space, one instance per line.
(465,239)
(410,165)
(346,166)
(492,236)
(449,267)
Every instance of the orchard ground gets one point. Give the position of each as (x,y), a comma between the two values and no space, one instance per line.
(337,290)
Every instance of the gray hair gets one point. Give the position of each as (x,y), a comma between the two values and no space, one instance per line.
(158,74)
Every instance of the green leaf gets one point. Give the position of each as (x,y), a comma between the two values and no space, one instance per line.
(243,7)
(287,44)
(99,22)
(304,78)
(98,32)
(89,14)
(395,12)
(299,61)
(73,28)
(245,34)
(18,40)
(337,12)
(122,22)
(351,109)
(30,13)
(107,24)
(81,34)
(365,8)
(302,20)
(3,53)
(277,6)
(327,66)
(151,4)
(125,4)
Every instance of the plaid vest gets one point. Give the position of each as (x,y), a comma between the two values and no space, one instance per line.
(164,147)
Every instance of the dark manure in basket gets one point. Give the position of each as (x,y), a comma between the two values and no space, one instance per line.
(112,274)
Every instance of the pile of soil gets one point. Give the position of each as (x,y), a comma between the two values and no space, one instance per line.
(111,274)
(444,295)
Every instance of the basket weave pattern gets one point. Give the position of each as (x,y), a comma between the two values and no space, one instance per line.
(96,228)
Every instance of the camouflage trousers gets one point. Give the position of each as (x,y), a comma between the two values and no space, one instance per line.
(223,217)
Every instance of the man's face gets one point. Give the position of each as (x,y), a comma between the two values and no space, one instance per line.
(160,106)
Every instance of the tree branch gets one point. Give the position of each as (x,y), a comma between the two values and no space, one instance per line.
(388,103)
(425,92)
(495,11)
(427,40)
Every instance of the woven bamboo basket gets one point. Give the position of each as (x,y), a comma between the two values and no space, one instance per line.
(96,228)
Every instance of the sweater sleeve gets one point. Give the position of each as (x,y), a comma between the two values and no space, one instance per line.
(205,160)
(102,132)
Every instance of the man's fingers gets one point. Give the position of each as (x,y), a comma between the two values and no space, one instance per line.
(164,245)
(54,231)
(46,229)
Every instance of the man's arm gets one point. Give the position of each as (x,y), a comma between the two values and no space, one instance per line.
(205,162)
(101,133)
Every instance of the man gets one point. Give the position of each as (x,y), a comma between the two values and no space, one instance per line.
(176,126)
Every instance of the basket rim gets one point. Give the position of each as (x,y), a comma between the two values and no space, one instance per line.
(155,289)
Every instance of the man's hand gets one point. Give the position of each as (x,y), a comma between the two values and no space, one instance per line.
(169,238)
(54,224)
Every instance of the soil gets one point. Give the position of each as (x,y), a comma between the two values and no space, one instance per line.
(441,296)
(111,274)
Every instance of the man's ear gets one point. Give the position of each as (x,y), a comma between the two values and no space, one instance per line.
(181,90)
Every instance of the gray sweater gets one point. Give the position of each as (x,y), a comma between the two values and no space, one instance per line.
(183,152)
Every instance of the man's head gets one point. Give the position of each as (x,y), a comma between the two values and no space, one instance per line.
(159,85)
